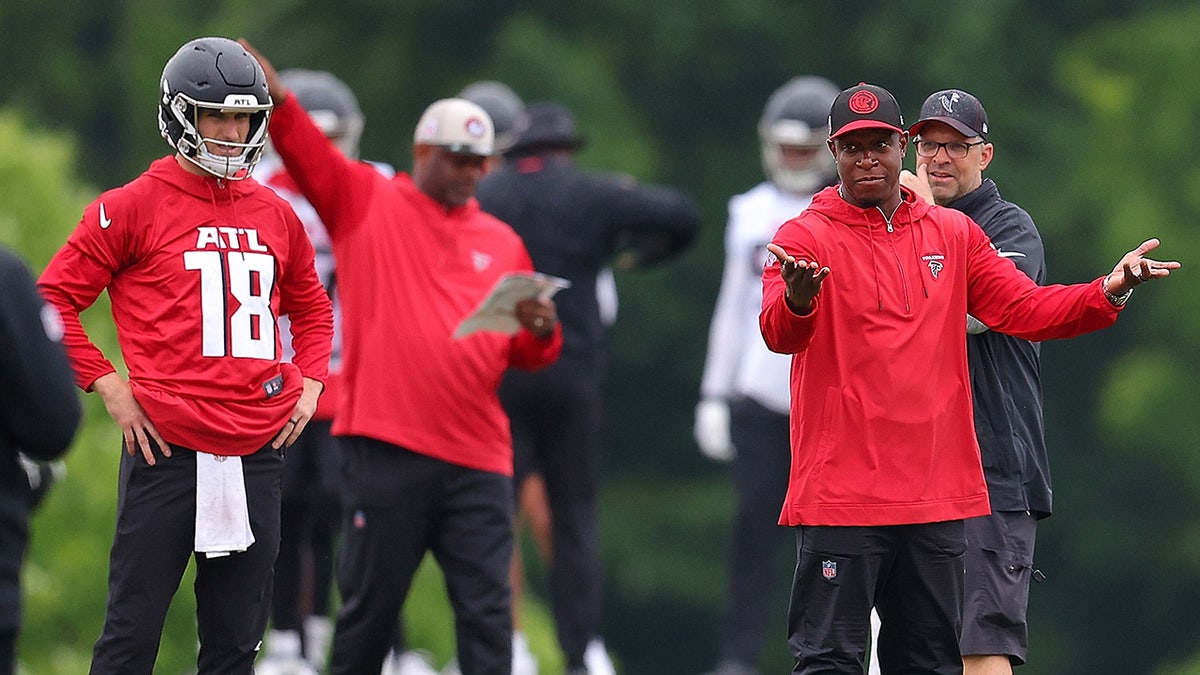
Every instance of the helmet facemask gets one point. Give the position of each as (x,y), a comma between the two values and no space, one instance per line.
(795,157)
(792,131)
(198,150)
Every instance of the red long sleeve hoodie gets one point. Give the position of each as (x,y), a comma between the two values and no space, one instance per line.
(882,428)
(409,270)
(197,270)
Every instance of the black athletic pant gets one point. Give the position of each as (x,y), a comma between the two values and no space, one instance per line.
(760,477)
(912,574)
(557,416)
(154,540)
(400,504)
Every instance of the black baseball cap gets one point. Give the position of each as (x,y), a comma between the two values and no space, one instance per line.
(864,106)
(955,108)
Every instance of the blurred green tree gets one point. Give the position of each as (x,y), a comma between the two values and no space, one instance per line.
(1091,115)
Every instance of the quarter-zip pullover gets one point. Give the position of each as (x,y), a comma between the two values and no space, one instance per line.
(882,426)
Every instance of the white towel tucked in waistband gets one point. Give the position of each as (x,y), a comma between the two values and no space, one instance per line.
(222,518)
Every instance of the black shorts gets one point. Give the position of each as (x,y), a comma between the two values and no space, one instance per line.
(913,575)
(999,565)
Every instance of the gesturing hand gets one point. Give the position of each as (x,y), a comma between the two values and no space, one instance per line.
(918,182)
(803,279)
(275,86)
(1134,269)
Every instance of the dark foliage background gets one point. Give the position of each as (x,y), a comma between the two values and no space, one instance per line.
(1092,111)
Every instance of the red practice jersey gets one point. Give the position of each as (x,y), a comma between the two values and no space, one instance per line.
(198,271)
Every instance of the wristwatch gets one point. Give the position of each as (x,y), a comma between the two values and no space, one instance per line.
(1117,300)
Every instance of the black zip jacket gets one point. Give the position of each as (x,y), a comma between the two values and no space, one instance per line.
(1006,371)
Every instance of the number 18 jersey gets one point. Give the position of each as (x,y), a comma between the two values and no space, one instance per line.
(198,271)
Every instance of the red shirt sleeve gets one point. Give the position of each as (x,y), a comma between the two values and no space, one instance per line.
(530,352)
(71,282)
(1000,295)
(326,177)
(783,330)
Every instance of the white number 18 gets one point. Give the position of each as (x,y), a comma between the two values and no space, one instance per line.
(250,278)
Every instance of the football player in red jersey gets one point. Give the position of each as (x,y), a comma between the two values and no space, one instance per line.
(198,263)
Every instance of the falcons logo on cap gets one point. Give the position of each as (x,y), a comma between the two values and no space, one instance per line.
(949,101)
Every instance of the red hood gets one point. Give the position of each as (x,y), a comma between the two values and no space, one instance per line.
(167,170)
(830,204)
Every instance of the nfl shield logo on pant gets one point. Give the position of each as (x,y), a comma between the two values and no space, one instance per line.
(829,569)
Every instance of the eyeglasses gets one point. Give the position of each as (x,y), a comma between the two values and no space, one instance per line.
(955,149)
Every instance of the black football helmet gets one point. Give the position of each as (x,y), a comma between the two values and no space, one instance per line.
(214,73)
(797,115)
(330,103)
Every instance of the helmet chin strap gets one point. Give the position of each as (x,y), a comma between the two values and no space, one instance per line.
(228,167)
(222,166)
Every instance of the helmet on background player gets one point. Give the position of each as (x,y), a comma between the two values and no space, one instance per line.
(330,103)
(797,116)
(502,105)
(213,73)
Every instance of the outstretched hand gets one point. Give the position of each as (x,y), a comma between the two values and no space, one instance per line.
(1135,269)
(803,279)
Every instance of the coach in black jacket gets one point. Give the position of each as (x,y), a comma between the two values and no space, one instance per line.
(575,224)
(951,140)
(39,412)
